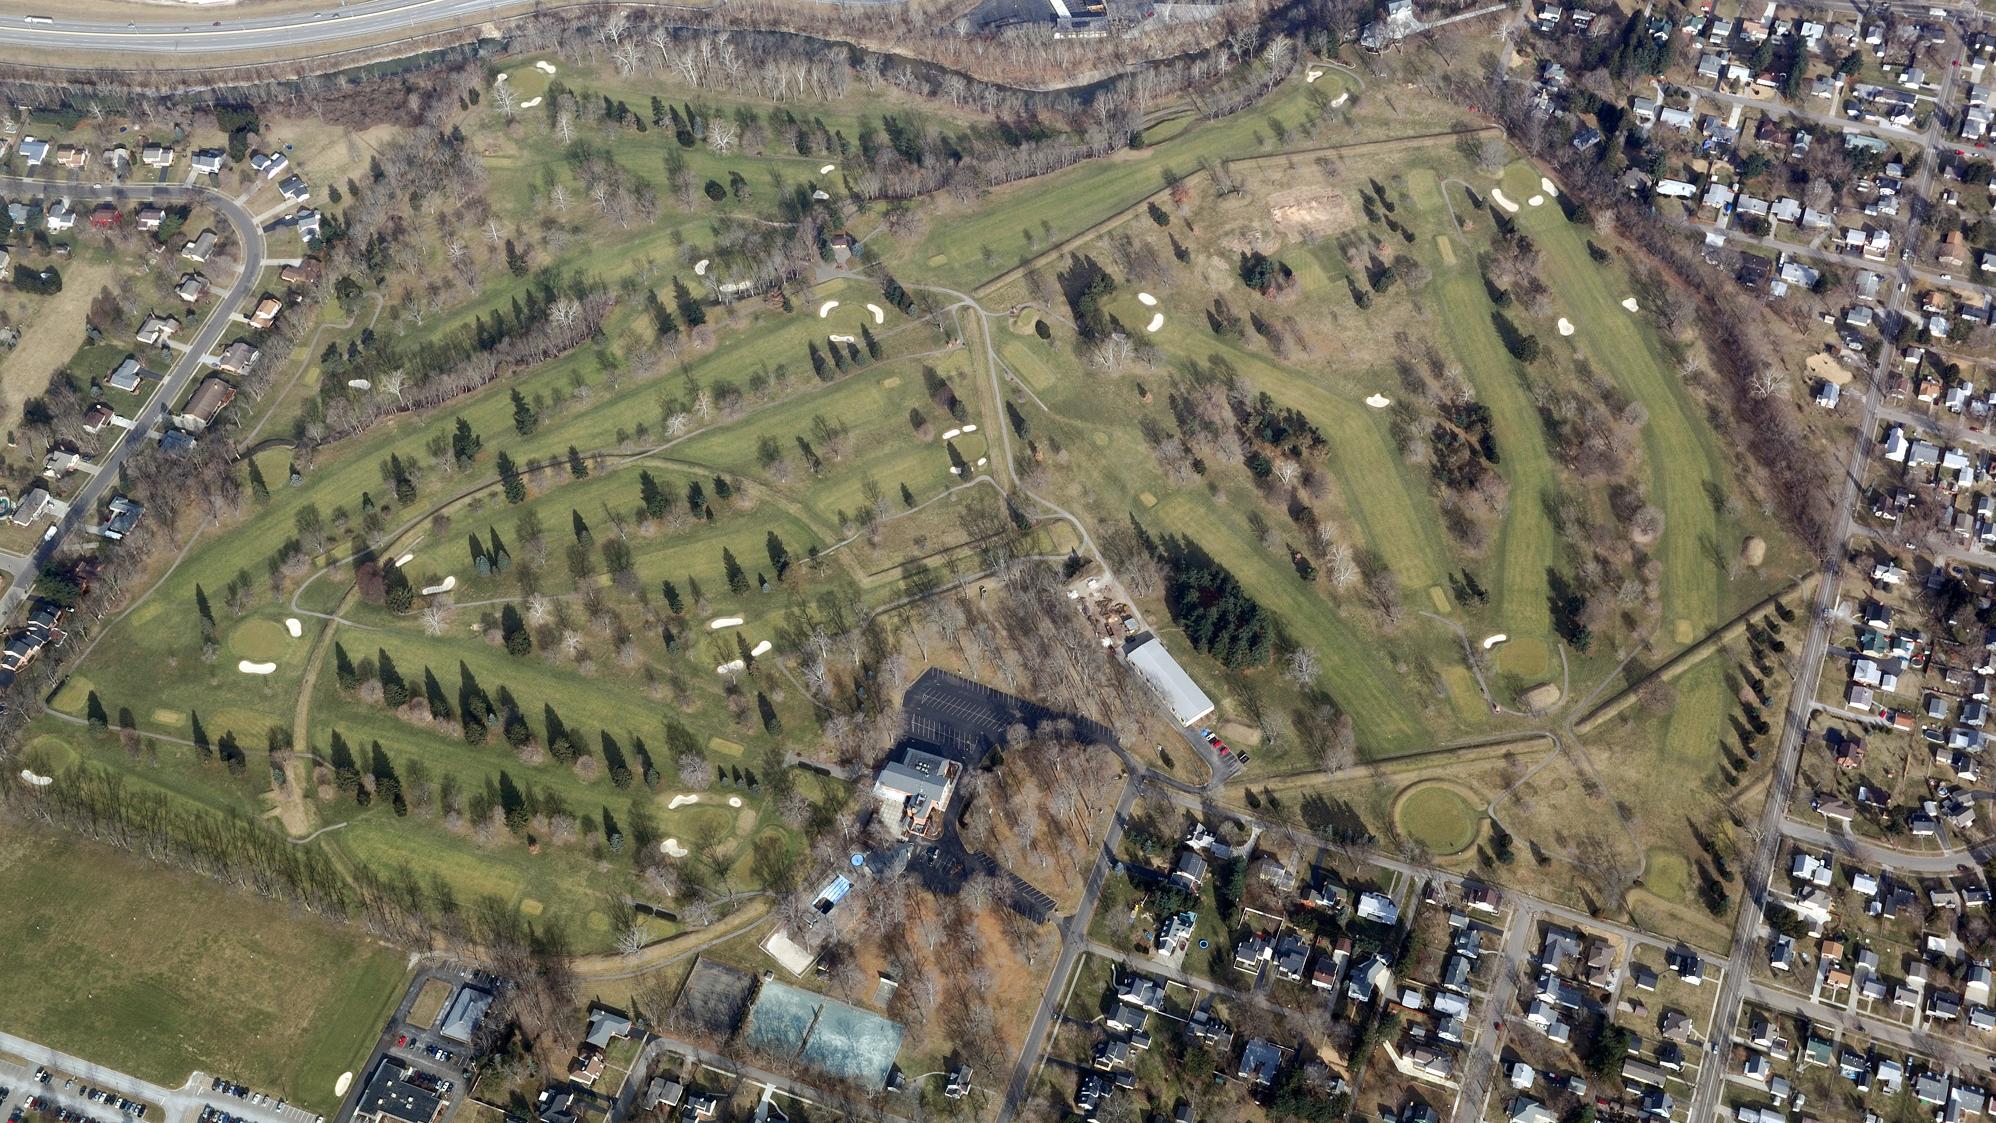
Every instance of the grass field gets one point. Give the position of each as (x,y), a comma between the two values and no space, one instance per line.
(161,973)
(1438,817)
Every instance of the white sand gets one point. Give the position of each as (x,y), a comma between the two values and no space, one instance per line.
(952,434)
(719,622)
(982,460)
(444,586)
(955,471)
(820,196)
(842,338)
(879,316)
(503,76)
(1492,641)
(1335,102)
(732,666)
(1147,300)
(1565,326)
(734,801)
(1536,201)
(345,1081)
(1310,75)
(1156,322)
(294,627)
(1629,302)
(671,848)
(250,668)
(828,169)
(405,559)
(531,102)
(761,649)
(1497,196)
(681,800)
(38,781)
(359,384)
(825,309)
(1379,401)
(970,428)
(544,67)
(1547,186)
(700,267)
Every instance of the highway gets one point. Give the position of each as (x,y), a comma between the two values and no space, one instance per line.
(214,324)
(197,30)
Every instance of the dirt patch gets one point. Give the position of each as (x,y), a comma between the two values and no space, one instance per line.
(1309,212)
(1544,696)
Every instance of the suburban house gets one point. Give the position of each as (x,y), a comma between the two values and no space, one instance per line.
(266,313)
(128,374)
(156,156)
(199,247)
(1181,695)
(914,789)
(208,161)
(237,358)
(209,399)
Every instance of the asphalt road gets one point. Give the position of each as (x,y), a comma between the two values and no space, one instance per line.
(215,323)
(197,30)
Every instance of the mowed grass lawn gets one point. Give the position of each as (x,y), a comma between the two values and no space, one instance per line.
(159,973)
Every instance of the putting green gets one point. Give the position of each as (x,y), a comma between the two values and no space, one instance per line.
(1525,657)
(49,755)
(260,641)
(1438,815)
(1667,875)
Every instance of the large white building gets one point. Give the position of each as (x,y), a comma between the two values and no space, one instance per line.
(1187,702)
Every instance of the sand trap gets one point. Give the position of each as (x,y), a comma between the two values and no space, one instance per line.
(1379,401)
(405,559)
(250,668)
(38,781)
(358,384)
(1629,302)
(820,196)
(681,800)
(1156,322)
(503,77)
(970,428)
(1147,300)
(828,169)
(731,667)
(842,339)
(671,849)
(1502,200)
(1565,326)
(719,622)
(444,586)
(825,309)
(1492,641)
(531,102)
(544,67)
(345,1081)
(1310,75)
(1335,102)
(1546,186)
(952,434)
(734,801)
(955,471)
(294,627)
(1536,201)
(879,316)
(761,649)
(700,267)
(982,460)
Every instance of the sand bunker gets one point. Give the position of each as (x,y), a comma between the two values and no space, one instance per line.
(250,668)
(970,428)
(982,460)
(820,196)
(731,667)
(828,169)
(1497,195)
(681,800)
(444,586)
(359,384)
(879,317)
(1306,212)
(1630,304)
(531,102)
(503,77)
(1335,102)
(671,849)
(842,338)
(1310,75)
(1156,322)
(700,267)
(719,622)
(36,780)
(734,801)
(825,309)
(1546,186)
(952,434)
(294,627)
(405,559)
(345,1081)
(1565,326)
(544,66)
(761,649)
(1492,641)
(1379,401)
(1536,201)
(1147,300)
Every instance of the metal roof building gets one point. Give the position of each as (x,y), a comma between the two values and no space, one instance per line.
(1188,703)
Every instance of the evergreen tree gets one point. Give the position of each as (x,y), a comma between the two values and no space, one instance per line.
(258,487)
(518,640)
(655,498)
(198,733)
(433,693)
(672,599)
(577,467)
(93,710)
(394,689)
(737,580)
(464,444)
(872,344)
(343,669)
(690,312)
(771,724)
(510,481)
(525,417)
